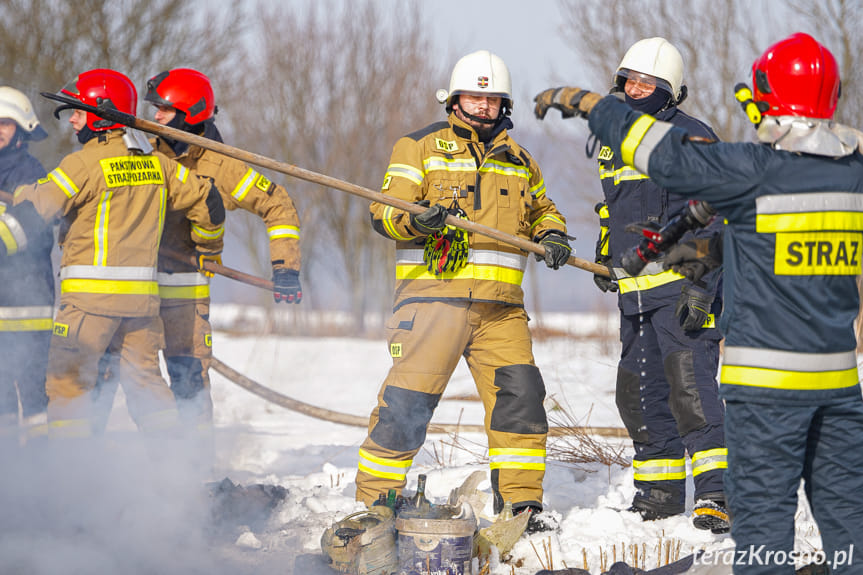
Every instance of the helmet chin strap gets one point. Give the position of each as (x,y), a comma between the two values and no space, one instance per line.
(486,121)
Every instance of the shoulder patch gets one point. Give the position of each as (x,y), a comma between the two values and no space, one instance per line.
(446,145)
(387,179)
(61,329)
(605,153)
(430,129)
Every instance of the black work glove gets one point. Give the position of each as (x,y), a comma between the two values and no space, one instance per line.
(694,258)
(286,285)
(606,284)
(430,221)
(570,101)
(557,249)
(693,307)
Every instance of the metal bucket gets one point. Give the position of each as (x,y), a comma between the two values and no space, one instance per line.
(435,546)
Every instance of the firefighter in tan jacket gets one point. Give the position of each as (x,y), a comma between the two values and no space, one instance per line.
(184,100)
(114,195)
(460,295)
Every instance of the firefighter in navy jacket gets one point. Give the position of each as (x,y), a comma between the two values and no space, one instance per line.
(792,253)
(666,394)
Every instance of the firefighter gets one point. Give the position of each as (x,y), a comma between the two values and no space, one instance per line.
(184,100)
(113,195)
(460,295)
(666,393)
(792,255)
(27,297)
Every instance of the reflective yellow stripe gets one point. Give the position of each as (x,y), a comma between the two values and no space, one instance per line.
(207,234)
(8,239)
(184,292)
(182,173)
(408,172)
(277,232)
(389,224)
(100,229)
(538,190)
(640,283)
(624,174)
(808,221)
(659,469)
(708,460)
(41,324)
(245,185)
(505,169)
(633,138)
(394,469)
(791,380)
(69,429)
(439,163)
(63,181)
(469,272)
(118,287)
(552,218)
(516,458)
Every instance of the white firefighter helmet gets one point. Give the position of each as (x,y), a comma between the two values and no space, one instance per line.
(655,57)
(480,72)
(16,106)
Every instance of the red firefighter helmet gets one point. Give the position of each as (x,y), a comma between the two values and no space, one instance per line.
(797,76)
(96,86)
(184,89)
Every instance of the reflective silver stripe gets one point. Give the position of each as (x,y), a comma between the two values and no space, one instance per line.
(708,463)
(16,230)
(108,272)
(480,257)
(27,312)
(405,171)
(788,360)
(516,459)
(814,202)
(652,268)
(183,279)
(245,185)
(63,182)
(641,157)
(431,164)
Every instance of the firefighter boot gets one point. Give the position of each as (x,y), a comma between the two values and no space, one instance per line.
(710,513)
(657,503)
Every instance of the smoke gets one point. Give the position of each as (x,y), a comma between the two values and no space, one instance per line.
(117,504)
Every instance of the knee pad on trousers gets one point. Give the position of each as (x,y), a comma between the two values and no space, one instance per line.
(628,399)
(518,405)
(186,378)
(684,399)
(403,421)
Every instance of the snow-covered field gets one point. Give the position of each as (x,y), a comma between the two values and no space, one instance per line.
(122,508)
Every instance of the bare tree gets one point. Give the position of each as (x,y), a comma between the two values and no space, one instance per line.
(45,43)
(331,90)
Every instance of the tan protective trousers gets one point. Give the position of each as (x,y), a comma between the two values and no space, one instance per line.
(188,355)
(426,341)
(79,341)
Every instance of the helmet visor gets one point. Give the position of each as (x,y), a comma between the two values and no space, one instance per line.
(71,87)
(645,81)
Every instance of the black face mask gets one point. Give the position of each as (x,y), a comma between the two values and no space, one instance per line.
(656,102)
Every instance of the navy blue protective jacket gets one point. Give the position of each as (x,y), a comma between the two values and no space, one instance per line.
(26,277)
(632,196)
(792,252)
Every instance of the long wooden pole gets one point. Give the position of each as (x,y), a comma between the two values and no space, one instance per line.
(310,176)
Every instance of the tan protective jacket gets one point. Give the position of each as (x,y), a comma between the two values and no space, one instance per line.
(114,203)
(240,187)
(499,185)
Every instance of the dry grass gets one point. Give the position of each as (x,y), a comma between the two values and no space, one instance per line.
(578,448)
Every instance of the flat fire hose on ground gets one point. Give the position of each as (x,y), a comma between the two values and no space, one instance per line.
(281,400)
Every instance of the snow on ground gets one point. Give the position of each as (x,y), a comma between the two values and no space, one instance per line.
(257,442)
